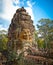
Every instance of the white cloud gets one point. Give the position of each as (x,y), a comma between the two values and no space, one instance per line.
(9,10)
(30,11)
(16,1)
(2,28)
(29,4)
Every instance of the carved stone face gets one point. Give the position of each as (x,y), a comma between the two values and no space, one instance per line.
(25,35)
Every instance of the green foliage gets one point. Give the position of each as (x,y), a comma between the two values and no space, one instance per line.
(45,28)
(3,41)
(12,55)
(39,41)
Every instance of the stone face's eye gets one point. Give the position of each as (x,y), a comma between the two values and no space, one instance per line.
(25,33)
(24,36)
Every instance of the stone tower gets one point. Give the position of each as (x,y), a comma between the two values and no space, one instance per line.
(21,30)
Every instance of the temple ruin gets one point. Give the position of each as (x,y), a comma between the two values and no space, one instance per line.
(21,39)
(21,30)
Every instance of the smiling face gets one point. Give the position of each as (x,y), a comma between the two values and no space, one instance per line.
(25,35)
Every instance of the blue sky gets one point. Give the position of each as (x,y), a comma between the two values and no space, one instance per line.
(36,8)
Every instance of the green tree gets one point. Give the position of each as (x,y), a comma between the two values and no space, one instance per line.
(45,28)
(3,40)
(40,42)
